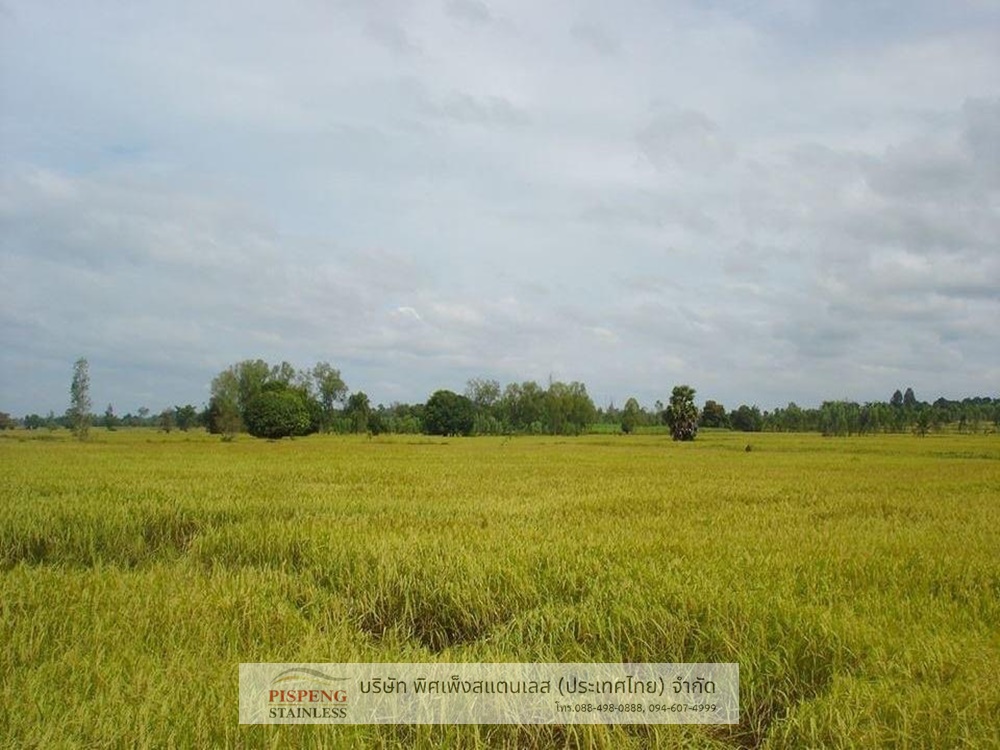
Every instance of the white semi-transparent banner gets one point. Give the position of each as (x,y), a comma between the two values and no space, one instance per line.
(489,693)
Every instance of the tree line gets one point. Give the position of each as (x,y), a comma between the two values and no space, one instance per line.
(275,401)
(902,412)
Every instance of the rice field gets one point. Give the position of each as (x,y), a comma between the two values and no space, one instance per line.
(856,581)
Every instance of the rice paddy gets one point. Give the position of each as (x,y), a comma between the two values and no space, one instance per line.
(856,581)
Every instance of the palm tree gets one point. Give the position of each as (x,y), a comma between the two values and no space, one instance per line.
(682,414)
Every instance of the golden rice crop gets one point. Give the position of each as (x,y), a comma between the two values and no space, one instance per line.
(856,581)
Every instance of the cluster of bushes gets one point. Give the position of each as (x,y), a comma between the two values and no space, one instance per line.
(278,401)
(274,401)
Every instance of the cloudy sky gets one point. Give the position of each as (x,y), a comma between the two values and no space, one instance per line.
(771,201)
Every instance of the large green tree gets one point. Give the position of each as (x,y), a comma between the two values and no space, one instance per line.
(522,406)
(713,414)
(746,419)
(568,408)
(448,413)
(681,414)
(276,412)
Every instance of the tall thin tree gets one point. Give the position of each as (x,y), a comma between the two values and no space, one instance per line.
(79,393)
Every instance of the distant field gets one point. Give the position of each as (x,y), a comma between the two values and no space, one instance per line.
(856,581)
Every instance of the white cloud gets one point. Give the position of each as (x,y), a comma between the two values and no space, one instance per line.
(748,198)
(469,11)
(597,38)
(683,139)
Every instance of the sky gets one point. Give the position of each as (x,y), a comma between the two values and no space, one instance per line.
(786,200)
